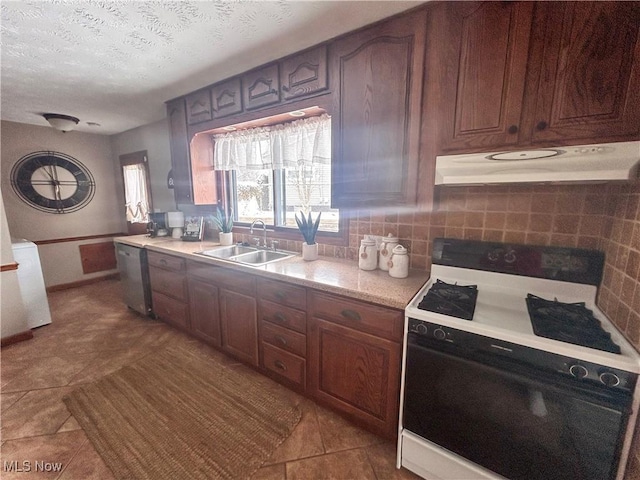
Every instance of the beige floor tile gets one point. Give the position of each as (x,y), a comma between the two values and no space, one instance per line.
(108,362)
(345,465)
(87,465)
(8,399)
(47,372)
(70,425)
(271,472)
(50,449)
(39,412)
(383,460)
(339,434)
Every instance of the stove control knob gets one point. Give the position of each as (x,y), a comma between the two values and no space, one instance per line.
(439,334)
(421,329)
(510,256)
(610,379)
(578,371)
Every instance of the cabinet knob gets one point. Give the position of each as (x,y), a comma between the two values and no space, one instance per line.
(280,365)
(281,340)
(513,129)
(280,295)
(279,317)
(541,125)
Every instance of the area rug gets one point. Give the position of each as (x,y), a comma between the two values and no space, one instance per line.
(178,414)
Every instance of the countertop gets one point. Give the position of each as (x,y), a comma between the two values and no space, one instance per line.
(334,275)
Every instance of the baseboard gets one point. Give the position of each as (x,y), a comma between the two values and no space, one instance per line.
(18,337)
(80,283)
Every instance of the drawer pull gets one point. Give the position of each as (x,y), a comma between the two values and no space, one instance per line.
(280,295)
(281,340)
(280,365)
(350,314)
(279,317)
(163,261)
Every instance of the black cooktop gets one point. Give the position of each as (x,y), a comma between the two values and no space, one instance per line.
(451,299)
(568,322)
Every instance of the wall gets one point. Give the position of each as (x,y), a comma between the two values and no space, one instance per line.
(103,215)
(154,138)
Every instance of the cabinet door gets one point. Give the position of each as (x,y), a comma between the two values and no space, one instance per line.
(261,87)
(204,313)
(589,85)
(179,144)
(239,320)
(356,373)
(484,71)
(171,310)
(304,74)
(378,74)
(226,98)
(198,107)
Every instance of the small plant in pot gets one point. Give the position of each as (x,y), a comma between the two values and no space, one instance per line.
(224,223)
(309,229)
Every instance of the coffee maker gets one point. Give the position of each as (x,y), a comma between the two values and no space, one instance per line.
(157,226)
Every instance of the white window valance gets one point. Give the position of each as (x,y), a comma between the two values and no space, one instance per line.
(290,145)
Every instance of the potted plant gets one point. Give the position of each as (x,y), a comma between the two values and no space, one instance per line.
(224,223)
(309,228)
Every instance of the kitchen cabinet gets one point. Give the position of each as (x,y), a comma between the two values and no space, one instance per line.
(354,359)
(304,74)
(283,328)
(180,156)
(261,87)
(549,73)
(226,98)
(378,76)
(169,293)
(198,107)
(204,312)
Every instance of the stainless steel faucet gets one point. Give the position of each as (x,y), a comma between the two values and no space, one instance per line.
(264,231)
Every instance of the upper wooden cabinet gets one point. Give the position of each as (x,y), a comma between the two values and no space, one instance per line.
(304,74)
(377,75)
(199,107)
(261,87)
(180,157)
(226,98)
(506,74)
(588,84)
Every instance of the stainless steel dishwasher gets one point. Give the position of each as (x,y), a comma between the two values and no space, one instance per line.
(134,276)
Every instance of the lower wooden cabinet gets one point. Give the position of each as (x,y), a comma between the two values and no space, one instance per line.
(204,312)
(239,321)
(356,373)
(169,295)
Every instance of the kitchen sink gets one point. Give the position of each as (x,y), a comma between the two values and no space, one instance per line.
(247,255)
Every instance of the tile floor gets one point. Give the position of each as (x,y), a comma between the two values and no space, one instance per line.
(94,334)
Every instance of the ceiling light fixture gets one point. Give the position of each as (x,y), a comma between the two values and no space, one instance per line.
(64,123)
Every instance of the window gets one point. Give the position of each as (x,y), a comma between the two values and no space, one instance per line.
(275,172)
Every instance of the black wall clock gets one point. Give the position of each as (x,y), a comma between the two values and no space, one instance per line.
(53,182)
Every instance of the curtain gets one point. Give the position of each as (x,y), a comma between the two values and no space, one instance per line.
(299,143)
(135,192)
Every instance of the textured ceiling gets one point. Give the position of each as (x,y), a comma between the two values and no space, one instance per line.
(115,63)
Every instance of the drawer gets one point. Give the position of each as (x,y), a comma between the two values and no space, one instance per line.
(284,364)
(283,316)
(169,262)
(171,310)
(283,338)
(365,317)
(283,293)
(223,277)
(169,283)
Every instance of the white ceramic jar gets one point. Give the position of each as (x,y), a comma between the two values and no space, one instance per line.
(386,247)
(399,262)
(368,254)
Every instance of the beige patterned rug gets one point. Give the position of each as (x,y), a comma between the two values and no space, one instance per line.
(179,414)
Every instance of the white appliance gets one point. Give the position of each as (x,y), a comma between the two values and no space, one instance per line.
(608,162)
(511,371)
(32,289)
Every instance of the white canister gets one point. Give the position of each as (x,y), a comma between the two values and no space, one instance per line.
(368,254)
(386,247)
(399,262)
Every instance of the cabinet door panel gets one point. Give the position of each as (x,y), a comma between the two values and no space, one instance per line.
(169,283)
(198,107)
(239,320)
(180,157)
(378,73)
(591,56)
(261,87)
(204,313)
(356,373)
(304,74)
(226,98)
(170,310)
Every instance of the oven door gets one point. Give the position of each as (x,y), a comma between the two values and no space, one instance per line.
(513,420)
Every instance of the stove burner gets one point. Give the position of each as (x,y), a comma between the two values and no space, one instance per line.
(568,322)
(454,300)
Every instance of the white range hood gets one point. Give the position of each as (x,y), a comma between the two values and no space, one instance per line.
(607,162)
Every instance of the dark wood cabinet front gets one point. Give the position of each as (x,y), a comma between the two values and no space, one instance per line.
(226,98)
(169,292)
(261,87)
(179,145)
(304,74)
(239,320)
(377,74)
(198,107)
(204,312)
